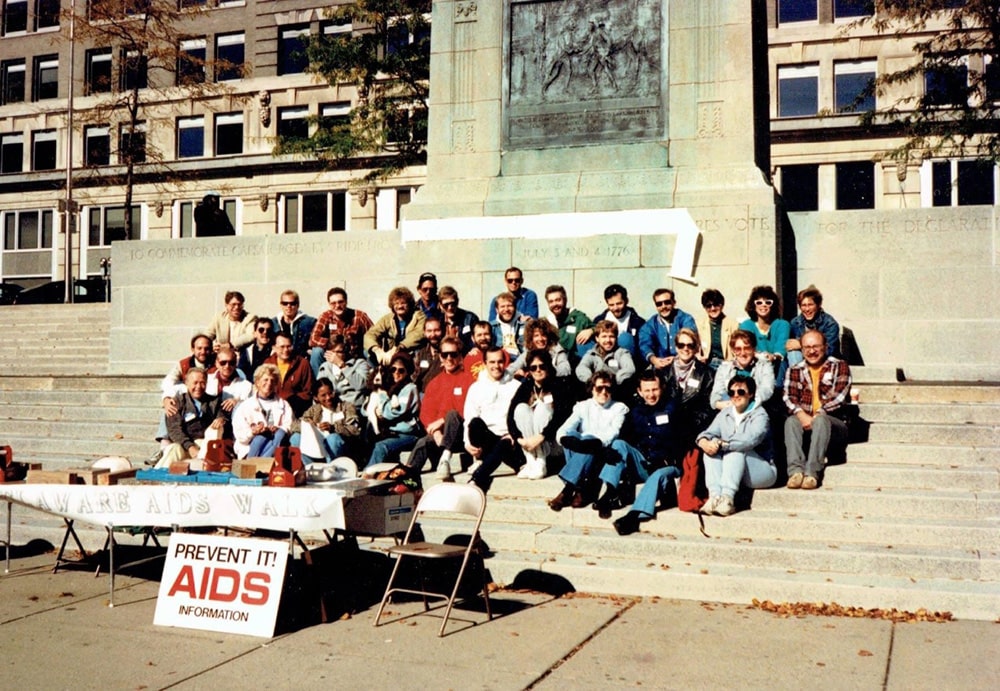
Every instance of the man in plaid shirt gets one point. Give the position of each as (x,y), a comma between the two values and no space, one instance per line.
(339,319)
(816,392)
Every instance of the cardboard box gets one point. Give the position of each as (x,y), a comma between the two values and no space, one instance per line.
(247,468)
(53,477)
(90,476)
(114,478)
(378,515)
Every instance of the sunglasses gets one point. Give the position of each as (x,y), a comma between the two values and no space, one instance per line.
(685,346)
(448,305)
(515,280)
(738,392)
(263,330)
(765,302)
(602,388)
(664,303)
(222,363)
(399,369)
(288,304)
(536,368)
(711,305)
(450,354)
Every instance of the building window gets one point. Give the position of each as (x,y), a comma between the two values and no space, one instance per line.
(106,224)
(800,187)
(11,153)
(228,134)
(341,26)
(229,56)
(98,71)
(399,38)
(191,137)
(46,14)
(963,183)
(991,79)
(184,216)
(13,81)
(796,11)
(292,42)
(27,230)
(293,123)
(191,61)
(46,77)
(43,150)
(856,185)
(318,212)
(96,146)
(187,4)
(15,16)
(852,9)
(946,85)
(132,145)
(335,114)
(798,88)
(133,70)
(853,86)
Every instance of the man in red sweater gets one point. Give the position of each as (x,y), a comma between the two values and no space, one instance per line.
(441,412)
(296,375)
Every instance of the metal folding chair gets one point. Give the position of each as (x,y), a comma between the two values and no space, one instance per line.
(451,498)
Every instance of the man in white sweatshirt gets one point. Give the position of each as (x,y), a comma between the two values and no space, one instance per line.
(486,406)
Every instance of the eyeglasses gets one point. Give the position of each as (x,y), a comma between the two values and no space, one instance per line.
(685,346)
(763,302)
(448,305)
(738,392)
(450,354)
(425,289)
(712,305)
(515,280)
(285,303)
(664,303)
(397,370)
(263,330)
(602,388)
(536,368)
(223,363)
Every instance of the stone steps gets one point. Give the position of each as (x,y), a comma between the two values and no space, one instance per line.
(935,414)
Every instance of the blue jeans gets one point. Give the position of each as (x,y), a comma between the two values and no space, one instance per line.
(631,458)
(333,445)
(387,450)
(726,472)
(578,465)
(264,446)
(654,489)
(316,359)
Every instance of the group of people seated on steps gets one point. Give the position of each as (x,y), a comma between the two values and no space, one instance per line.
(613,402)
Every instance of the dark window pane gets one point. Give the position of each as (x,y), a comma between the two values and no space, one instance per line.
(191,140)
(46,77)
(46,14)
(292,42)
(11,153)
(975,183)
(99,71)
(27,231)
(856,185)
(313,213)
(941,183)
(47,229)
(398,38)
(98,147)
(850,87)
(229,53)
(134,69)
(43,156)
(340,211)
(796,11)
(853,8)
(800,187)
(946,85)
(292,213)
(293,124)
(992,79)
(191,62)
(10,231)
(229,138)
(132,146)
(94,228)
(15,16)
(114,224)
(797,97)
(13,81)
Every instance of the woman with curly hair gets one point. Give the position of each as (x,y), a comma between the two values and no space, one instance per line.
(539,334)
(402,329)
(394,411)
(764,309)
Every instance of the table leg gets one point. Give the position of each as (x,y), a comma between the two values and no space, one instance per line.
(9,508)
(111,565)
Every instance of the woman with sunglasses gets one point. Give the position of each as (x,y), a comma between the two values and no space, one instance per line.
(585,436)
(262,422)
(737,448)
(745,362)
(539,407)
(539,334)
(688,383)
(397,411)
(764,309)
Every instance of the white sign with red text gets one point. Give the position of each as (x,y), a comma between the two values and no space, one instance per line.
(217,583)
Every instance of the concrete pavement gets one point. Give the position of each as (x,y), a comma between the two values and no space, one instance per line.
(58,632)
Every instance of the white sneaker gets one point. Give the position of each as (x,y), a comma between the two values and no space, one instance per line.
(474,467)
(534,469)
(443,470)
(524,471)
(708,508)
(725,507)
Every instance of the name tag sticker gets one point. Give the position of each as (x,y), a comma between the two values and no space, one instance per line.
(547,398)
(457,391)
(571,329)
(337,417)
(466,329)
(693,383)
(189,416)
(333,327)
(662,419)
(613,364)
(424,364)
(828,378)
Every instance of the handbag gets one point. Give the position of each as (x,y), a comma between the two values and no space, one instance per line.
(692,492)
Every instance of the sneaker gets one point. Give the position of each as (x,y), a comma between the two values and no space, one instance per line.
(534,469)
(708,508)
(444,471)
(523,472)
(724,506)
(809,482)
(155,458)
(474,467)
(795,481)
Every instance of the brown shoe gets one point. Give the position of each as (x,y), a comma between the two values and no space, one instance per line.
(809,482)
(578,500)
(795,482)
(557,502)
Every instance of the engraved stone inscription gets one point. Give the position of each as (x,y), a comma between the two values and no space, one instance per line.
(466,11)
(709,119)
(585,72)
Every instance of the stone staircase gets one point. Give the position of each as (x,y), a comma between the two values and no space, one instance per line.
(911,521)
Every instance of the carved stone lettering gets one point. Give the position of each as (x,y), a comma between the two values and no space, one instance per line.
(709,119)
(466,11)
(583,72)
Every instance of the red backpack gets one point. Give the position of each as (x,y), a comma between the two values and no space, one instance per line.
(691,492)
